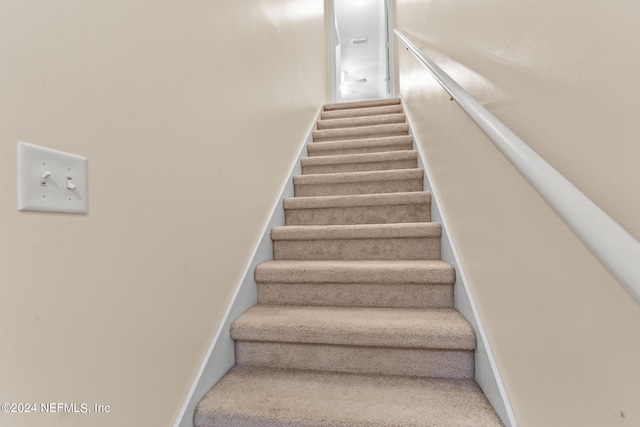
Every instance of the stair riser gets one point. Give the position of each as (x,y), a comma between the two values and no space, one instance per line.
(370,187)
(360,133)
(357,295)
(388,214)
(360,167)
(419,248)
(321,151)
(357,359)
(352,122)
(361,112)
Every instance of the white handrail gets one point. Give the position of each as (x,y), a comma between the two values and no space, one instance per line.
(616,249)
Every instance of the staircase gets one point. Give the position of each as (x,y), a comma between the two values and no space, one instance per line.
(355,324)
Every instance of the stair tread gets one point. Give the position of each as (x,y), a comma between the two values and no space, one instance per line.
(374,208)
(358,200)
(396,129)
(342,177)
(363,142)
(351,122)
(360,158)
(360,326)
(362,271)
(361,104)
(355,146)
(357,231)
(255,397)
(361,112)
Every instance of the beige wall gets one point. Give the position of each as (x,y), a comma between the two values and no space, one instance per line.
(563,76)
(190,114)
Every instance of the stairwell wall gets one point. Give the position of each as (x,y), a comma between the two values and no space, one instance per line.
(560,75)
(190,115)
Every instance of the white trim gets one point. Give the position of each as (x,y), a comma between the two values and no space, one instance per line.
(220,356)
(391,61)
(487,374)
(333,42)
(617,250)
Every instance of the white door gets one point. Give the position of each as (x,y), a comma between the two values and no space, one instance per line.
(360,43)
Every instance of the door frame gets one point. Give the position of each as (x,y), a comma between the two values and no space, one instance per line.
(334,38)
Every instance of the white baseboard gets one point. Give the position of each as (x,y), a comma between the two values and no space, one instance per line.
(487,374)
(221,354)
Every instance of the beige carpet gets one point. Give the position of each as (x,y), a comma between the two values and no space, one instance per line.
(354,324)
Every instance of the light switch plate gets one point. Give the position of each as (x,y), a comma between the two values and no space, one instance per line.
(50,180)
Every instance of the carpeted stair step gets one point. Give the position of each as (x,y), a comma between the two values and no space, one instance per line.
(361,112)
(382,208)
(360,146)
(388,341)
(336,184)
(408,284)
(266,397)
(375,131)
(406,159)
(362,104)
(357,242)
(353,122)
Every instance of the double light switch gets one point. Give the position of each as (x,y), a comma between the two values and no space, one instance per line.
(50,180)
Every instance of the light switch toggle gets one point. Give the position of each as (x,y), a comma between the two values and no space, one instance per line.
(45,176)
(70,185)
